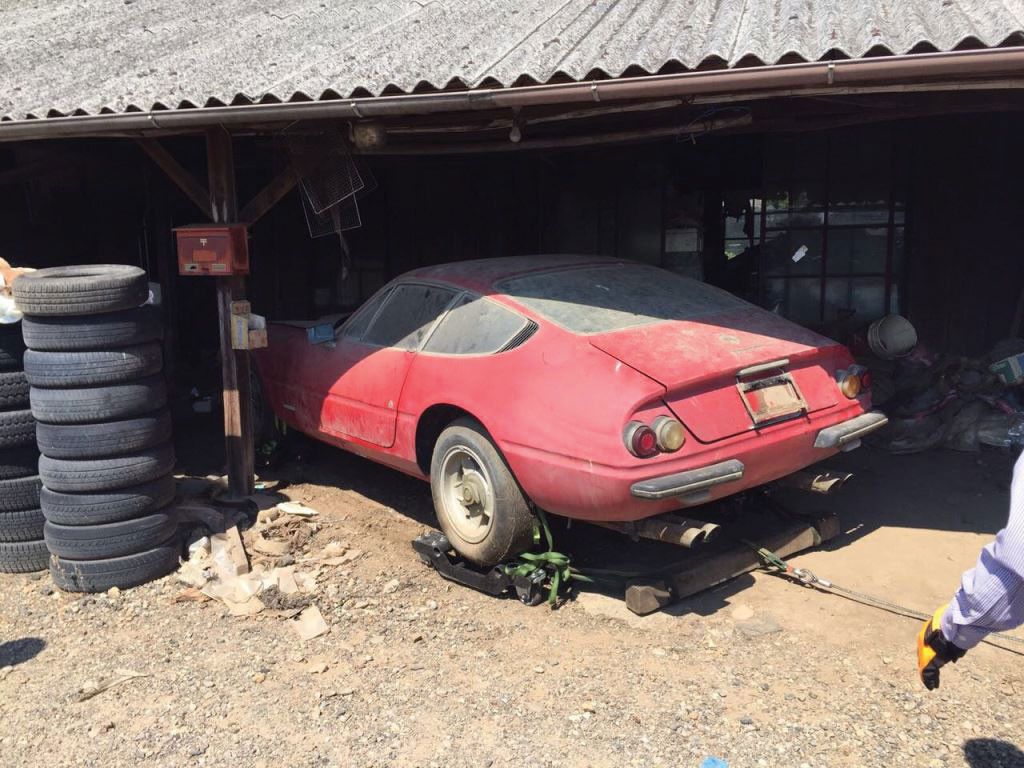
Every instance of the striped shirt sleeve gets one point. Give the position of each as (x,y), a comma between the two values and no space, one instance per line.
(991,595)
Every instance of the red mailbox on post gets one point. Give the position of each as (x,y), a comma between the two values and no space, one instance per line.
(213,250)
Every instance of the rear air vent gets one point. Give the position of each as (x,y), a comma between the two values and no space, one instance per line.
(520,338)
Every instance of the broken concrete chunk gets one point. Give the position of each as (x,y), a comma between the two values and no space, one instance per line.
(310,624)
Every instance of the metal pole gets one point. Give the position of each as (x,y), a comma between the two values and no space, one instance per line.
(235,366)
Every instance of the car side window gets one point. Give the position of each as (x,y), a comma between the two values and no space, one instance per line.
(360,321)
(408,315)
(475,326)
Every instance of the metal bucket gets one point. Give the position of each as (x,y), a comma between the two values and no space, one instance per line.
(891,337)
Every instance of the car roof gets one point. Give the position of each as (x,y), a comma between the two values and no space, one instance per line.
(482,274)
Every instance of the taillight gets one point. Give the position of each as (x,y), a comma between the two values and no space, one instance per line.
(850,383)
(865,380)
(670,433)
(640,439)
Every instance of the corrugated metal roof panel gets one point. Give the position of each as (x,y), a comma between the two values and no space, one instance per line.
(95,56)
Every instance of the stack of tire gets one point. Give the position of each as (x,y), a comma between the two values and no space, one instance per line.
(22,548)
(94,363)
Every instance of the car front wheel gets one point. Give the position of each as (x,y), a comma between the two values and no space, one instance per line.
(480,507)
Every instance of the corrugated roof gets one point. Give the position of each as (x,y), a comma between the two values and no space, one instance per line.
(93,56)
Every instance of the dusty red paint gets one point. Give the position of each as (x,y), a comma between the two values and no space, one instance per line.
(557,405)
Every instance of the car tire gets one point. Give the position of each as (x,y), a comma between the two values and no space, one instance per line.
(85,475)
(17,429)
(485,531)
(96,441)
(19,493)
(13,390)
(19,462)
(24,556)
(111,330)
(107,506)
(22,525)
(80,290)
(12,347)
(121,572)
(98,404)
(101,542)
(61,370)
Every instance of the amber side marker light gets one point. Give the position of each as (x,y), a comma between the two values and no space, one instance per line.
(849,384)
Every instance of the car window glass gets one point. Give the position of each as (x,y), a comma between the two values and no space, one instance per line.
(475,326)
(603,299)
(408,315)
(360,321)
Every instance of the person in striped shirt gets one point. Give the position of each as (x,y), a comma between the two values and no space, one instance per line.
(990,598)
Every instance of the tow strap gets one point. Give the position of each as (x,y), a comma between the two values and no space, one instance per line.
(775,564)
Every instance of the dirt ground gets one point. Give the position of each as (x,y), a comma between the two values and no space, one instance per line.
(417,672)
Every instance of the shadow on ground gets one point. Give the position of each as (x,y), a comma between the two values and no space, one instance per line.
(992,753)
(14,652)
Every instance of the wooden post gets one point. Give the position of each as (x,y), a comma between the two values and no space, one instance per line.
(238,434)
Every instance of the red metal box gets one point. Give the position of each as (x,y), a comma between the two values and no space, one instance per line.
(213,250)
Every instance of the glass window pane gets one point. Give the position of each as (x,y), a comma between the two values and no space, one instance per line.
(858,216)
(837,299)
(868,297)
(360,321)
(793,252)
(407,316)
(857,251)
(475,326)
(798,299)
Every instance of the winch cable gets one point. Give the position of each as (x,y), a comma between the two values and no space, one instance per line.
(776,565)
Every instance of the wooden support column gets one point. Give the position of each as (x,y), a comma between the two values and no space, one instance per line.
(235,365)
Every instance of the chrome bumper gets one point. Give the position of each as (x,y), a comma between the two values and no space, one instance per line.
(685,483)
(842,435)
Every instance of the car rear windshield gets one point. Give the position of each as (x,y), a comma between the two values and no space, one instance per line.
(601,299)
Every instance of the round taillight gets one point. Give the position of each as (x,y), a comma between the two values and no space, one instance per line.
(865,380)
(670,433)
(641,440)
(850,385)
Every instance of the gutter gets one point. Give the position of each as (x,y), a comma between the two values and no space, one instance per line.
(789,78)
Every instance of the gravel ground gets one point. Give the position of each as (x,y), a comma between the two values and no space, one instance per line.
(416,672)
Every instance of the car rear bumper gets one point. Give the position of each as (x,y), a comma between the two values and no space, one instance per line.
(685,483)
(847,434)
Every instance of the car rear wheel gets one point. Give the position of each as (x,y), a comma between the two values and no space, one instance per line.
(480,507)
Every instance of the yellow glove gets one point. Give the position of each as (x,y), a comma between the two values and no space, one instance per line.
(934,651)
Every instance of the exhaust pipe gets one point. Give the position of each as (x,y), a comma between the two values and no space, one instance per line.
(825,483)
(683,532)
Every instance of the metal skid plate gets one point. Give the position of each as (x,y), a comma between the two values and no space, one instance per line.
(433,549)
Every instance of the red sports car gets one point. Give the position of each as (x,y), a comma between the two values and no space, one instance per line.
(591,388)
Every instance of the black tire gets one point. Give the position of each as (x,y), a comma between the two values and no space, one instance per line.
(88,289)
(84,475)
(120,572)
(17,429)
(12,347)
(511,527)
(112,330)
(23,525)
(100,542)
(13,390)
(19,462)
(19,493)
(107,507)
(94,441)
(24,556)
(91,369)
(98,404)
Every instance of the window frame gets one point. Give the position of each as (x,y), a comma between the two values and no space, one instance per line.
(390,289)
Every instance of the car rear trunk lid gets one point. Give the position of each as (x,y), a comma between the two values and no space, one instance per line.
(711,366)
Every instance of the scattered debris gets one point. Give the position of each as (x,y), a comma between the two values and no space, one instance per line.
(310,624)
(89,690)
(295,508)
